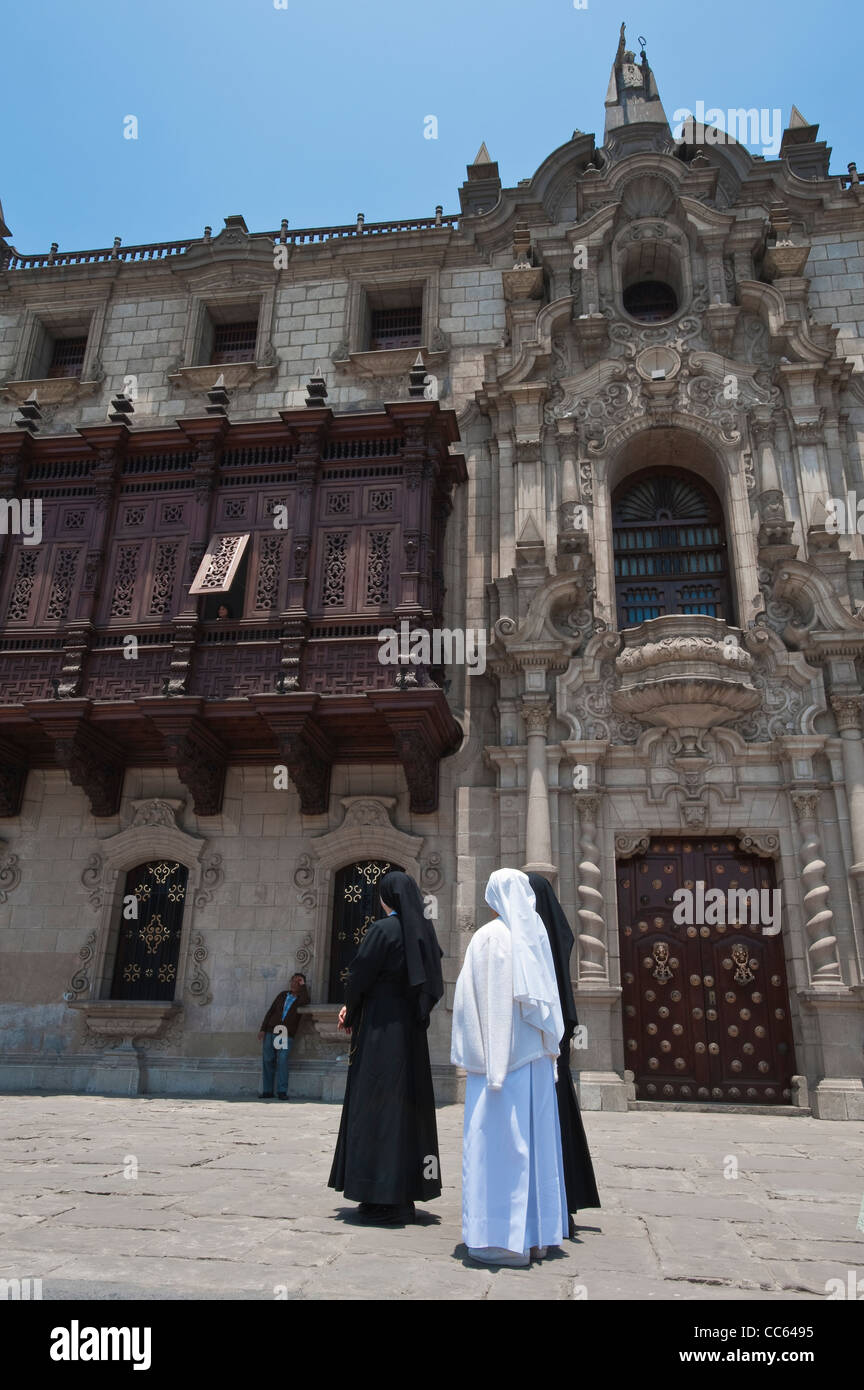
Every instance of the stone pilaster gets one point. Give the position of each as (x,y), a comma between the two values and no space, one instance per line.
(538,829)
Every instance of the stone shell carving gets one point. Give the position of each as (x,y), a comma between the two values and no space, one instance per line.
(156,811)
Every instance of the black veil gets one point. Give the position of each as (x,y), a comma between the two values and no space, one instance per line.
(422,952)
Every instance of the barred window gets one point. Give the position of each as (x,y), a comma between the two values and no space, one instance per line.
(67,357)
(234,342)
(669,546)
(396,328)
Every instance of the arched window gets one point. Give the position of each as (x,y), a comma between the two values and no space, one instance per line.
(356,903)
(148,939)
(669,544)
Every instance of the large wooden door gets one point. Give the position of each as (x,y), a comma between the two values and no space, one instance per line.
(706,1007)
(356,903)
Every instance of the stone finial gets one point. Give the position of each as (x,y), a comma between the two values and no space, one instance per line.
(283,232)
(121,406)
(115,250)
(218,397)
(29,415)
(316,392)
(417,378)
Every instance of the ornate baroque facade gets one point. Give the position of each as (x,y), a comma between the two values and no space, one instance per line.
(642,385)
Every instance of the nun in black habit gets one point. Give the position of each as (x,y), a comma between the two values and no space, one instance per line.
(387,1151)
(578,1169)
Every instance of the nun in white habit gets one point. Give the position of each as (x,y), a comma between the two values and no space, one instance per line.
(506,1028)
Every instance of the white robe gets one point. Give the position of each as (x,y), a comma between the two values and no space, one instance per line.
(513,1193)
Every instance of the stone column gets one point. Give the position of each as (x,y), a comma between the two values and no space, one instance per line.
(538,829)
(822,957)
(591,930)
(848,713)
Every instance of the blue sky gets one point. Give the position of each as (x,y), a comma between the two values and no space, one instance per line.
(315,112)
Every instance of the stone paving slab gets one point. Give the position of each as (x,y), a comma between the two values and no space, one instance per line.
(230,1201)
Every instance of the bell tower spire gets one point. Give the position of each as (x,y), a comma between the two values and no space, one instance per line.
(632,97)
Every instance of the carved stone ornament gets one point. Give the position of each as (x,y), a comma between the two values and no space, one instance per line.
(536,716)
(91,878)
(303,958)
(363,811)
(156,811)
(304,874)
(80,982)
(847,711)
(431,874)
(628,845)
(198,983)
(762,842)
(10,874)
(212,875)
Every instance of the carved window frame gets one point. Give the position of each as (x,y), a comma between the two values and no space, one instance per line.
(362,290)
(256,300)
(66,317)
(125,851)
(367,832)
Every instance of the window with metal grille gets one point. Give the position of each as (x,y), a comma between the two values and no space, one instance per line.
(234,342)
(669,546)
(395,328)
(67,357)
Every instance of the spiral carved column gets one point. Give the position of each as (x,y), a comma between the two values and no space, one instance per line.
(819,919)
(591,930)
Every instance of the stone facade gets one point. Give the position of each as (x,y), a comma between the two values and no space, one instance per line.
(586,736)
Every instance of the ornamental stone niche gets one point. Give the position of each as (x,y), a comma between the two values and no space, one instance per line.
(153,834)
(684,672)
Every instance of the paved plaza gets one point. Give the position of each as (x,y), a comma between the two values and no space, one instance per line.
(230,1201)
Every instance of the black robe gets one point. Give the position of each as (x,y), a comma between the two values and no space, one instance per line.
(387,1150)
(579,1179)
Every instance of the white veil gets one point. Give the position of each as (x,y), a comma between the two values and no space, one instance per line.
(535,987)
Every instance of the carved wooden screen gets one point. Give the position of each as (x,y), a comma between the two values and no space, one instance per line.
(148,947)
(355,904)
(706,1007)
(669,545)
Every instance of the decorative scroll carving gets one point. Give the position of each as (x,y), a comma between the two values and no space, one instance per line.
(303,958)
(819,919)
(304,874)
(628,845)
(593,964)
(198,985)
(80,982)
(431,873)
(761,842)
(91,878)
(10,874)
(212,875)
